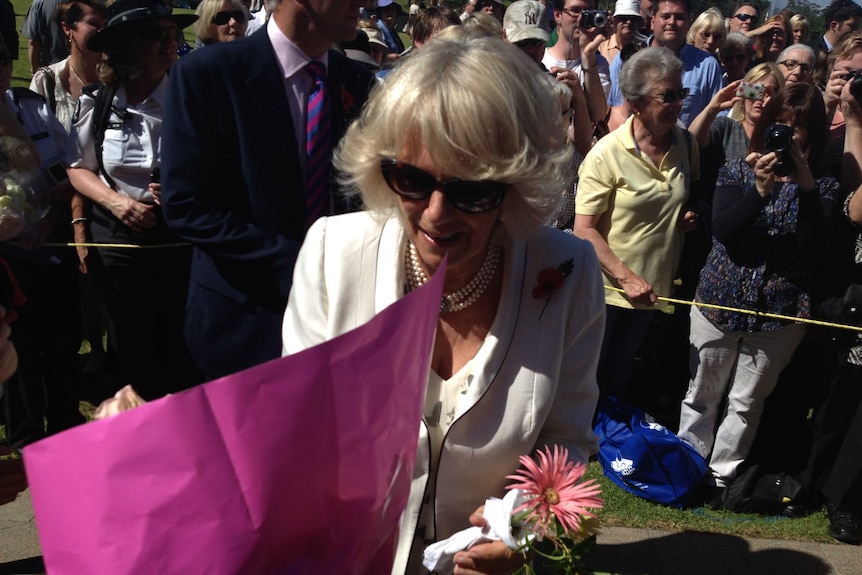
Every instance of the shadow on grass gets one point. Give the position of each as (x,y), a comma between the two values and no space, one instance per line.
(690,552)
(23,566)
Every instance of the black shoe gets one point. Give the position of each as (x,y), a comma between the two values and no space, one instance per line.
(843,525)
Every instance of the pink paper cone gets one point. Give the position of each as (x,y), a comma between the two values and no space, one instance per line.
(301,465)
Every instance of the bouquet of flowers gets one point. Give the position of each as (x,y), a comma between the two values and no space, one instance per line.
(546,515)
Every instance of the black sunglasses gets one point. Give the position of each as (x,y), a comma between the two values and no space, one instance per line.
(412,183)
(222,18)
(530,43)
(746,18)
(671,96)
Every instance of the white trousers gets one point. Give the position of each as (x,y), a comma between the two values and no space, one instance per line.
(732,375)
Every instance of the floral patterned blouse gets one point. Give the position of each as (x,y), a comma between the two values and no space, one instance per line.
(764,250)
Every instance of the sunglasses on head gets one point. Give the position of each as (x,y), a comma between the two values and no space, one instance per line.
(746,18)
(671,96)
(222,18)
(160,34)
(412,183)
(531,43)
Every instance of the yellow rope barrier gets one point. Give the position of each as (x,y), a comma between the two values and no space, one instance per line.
(660,298)
(751,312)
(121,246)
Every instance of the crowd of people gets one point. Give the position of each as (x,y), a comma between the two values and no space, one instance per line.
(299,169)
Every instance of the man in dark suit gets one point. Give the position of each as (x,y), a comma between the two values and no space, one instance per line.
(842,17)
(233,174)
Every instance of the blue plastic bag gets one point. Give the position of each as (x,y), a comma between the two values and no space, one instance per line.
(644,457)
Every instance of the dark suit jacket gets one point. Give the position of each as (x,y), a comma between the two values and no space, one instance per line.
(232,186)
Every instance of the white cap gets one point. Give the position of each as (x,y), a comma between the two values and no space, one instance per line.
(524,20)
(628,8)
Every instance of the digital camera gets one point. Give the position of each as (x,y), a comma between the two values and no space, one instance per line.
(777,138)
(594,19)
(855,79)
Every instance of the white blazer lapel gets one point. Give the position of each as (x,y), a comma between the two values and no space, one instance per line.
(391,276)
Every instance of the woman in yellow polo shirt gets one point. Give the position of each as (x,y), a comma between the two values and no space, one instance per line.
(630,205)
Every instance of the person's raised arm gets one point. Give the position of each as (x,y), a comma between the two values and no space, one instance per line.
(723,100)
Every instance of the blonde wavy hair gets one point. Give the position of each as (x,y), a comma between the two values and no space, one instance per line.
(481,109)
(753,76)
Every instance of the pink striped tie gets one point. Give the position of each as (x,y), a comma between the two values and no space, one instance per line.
(318,146)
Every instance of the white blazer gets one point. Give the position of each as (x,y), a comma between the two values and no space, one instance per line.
(536,385)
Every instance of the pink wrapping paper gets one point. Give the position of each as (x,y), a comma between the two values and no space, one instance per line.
(301,465)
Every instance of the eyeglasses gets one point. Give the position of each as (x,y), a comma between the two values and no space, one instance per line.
(222,18)
(531,43)
(573,12)
(711,35)
(671,96)
(162,34)
(746,18)
(791,65)
(5,60)
(412,183)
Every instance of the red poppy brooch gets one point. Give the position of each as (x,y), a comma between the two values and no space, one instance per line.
(551,279)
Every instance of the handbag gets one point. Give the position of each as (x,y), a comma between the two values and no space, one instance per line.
(645,458)
(755,491)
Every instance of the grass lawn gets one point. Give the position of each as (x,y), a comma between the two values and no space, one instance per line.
(625,510)
(621,508)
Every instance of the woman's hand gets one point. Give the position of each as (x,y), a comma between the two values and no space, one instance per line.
(637,289)
(801,171)
(764,171)
(725,98)
(834,86)
(136,215)
(768,27)
(486,558)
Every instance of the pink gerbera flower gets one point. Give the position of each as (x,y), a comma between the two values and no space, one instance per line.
(552,489)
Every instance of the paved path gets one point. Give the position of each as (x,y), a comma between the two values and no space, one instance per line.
(621,550)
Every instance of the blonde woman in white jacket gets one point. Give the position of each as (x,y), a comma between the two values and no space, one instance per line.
(461,153)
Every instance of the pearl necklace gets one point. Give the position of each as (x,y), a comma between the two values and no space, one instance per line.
(467,295)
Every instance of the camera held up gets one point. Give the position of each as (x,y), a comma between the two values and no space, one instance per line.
(778,138)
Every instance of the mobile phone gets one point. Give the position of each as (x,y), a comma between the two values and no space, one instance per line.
(751,91)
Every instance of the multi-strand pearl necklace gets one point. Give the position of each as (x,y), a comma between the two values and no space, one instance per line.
(467,295)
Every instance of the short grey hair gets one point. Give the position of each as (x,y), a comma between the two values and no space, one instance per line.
(644,68)
(736,41)
(807,49)
(481,109)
